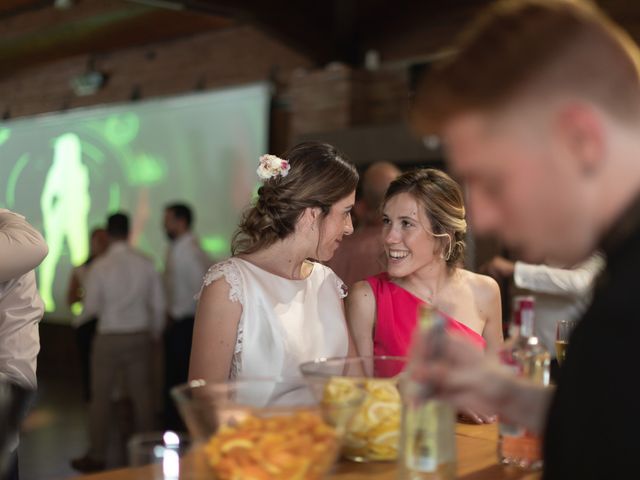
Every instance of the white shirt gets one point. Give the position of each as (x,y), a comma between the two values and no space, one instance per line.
(283,322)
(22,248)
(124,292)
(185,268)
(561,294)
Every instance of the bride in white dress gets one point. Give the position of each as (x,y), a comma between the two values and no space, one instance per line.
(270,307)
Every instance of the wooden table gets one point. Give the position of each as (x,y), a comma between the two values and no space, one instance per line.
(476,461)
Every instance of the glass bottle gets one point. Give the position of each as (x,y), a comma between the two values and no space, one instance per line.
(428,437)
(527,358)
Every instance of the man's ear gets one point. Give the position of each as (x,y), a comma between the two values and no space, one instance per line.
(580,128)
(360,209)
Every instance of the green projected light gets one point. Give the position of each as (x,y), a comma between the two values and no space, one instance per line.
(13,179)
(65,204)
(5,133)
(76,308)
(215,245)
(145,169)
(121,130)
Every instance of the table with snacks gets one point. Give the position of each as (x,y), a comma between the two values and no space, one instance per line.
(476,446)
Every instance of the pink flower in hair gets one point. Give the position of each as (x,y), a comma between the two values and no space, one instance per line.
(272,166)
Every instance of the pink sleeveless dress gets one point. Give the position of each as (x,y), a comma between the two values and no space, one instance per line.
(397,314)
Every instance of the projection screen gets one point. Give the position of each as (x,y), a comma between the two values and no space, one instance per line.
(66,172)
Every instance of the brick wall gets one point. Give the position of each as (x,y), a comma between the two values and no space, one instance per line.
(308,99)
(339,97)
(229,57)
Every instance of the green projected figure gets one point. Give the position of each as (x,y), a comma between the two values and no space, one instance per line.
(65,205)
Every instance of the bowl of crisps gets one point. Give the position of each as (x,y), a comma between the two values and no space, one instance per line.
(262,428)
(373,432)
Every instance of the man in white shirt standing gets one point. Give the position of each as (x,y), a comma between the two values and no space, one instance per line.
(22,248)
(185,267)
(561,293)
(124,292)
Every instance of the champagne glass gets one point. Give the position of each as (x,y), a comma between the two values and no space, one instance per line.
(562,339)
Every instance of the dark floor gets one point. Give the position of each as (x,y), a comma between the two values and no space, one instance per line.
(55,431)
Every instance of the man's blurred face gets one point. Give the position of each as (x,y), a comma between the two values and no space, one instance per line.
(171,225)
(521,184)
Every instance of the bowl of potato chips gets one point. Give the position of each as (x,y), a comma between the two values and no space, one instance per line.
(372,433)
(263,428)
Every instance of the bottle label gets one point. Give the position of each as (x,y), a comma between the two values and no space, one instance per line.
(428,437)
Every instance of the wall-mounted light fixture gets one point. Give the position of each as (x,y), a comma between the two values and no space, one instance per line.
(88,82)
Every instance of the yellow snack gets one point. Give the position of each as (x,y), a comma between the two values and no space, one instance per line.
(373,432)
(298,446)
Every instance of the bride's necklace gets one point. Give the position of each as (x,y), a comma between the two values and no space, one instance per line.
(431,298)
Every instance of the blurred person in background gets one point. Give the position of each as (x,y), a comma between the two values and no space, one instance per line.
(22,249)
(85,327)
(560,293)
(124,292)
(361,255)
(185,267)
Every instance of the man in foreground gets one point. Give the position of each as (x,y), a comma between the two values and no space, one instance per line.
(545,136)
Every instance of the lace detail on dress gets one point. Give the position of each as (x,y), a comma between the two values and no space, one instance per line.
(229,270)
(236,361)
(343,290)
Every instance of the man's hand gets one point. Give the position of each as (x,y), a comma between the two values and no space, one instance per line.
(469,416)
(499,267)
(464,376)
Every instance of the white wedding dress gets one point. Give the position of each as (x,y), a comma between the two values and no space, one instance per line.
(284,322)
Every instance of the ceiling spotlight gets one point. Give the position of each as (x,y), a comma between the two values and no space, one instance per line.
(63,4)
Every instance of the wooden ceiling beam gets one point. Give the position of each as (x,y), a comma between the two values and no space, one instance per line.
(93,30)
(308,27)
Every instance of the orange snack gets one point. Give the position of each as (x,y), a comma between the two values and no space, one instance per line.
(297,446)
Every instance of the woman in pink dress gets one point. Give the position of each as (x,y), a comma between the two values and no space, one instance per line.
(423,236)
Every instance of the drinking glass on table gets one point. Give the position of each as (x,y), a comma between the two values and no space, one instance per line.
(164,448)
(563,331)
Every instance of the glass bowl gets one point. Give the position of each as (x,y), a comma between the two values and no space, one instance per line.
(263,428)
(373,432)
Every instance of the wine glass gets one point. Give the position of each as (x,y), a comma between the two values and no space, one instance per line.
(563,331)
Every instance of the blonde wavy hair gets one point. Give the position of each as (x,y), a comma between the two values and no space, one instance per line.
(442,200)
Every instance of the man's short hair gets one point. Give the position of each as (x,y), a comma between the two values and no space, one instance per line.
(181,211)
(375,181)
(118,225)
(538,48)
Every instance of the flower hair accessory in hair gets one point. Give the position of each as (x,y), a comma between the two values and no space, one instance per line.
(272,166)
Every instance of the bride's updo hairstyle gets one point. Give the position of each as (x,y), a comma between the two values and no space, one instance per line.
(318,176)
(442,200)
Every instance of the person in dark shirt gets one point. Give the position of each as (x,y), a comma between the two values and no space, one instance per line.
(539,109)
